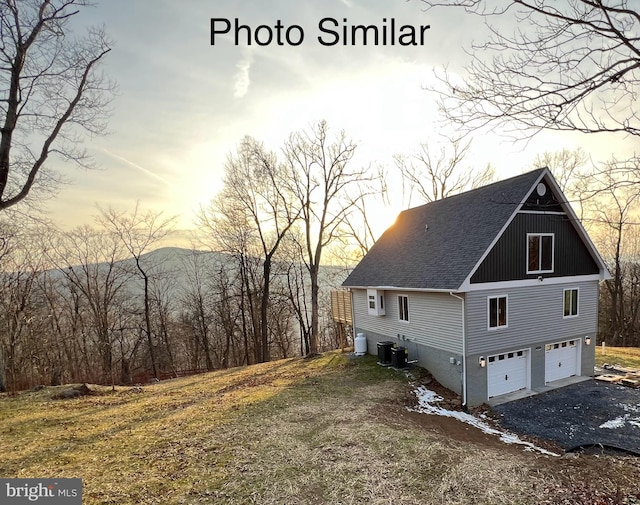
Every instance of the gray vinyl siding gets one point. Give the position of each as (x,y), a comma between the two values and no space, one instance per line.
(534,314)
(435,319)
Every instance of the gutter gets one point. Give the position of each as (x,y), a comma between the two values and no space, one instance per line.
(464,354)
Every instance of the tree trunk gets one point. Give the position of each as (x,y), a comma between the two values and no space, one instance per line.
(147,320)
(315,325)
(265,354)
(3,376)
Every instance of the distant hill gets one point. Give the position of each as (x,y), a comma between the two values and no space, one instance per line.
(176,264)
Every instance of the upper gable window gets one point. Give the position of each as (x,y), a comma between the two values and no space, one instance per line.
(539,253)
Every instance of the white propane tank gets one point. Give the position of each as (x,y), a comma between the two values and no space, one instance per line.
(360,344)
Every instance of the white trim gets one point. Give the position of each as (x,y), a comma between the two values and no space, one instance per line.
(571,316)
(506,315)
(545,212)
(523,283)
(553,253)
(405,289)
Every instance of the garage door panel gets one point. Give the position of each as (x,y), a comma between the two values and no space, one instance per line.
(507,372)
(561,360)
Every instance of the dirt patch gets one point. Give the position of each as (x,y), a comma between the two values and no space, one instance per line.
(74,392)
(402,412)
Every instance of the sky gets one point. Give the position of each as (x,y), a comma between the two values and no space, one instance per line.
(183,104)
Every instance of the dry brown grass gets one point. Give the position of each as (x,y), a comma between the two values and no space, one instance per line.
(325,430)
(628,357)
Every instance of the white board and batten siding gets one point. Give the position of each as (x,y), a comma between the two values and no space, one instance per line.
(435,319)
(534,314)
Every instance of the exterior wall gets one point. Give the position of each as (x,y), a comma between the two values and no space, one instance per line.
(507,260)
(534,314)
(432,336)
(435,319)
(534,319)
(445,366)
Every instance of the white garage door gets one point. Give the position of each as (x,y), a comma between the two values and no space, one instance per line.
(507,372)
(561,360)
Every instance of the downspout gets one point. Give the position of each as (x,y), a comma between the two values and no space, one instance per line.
(464,354)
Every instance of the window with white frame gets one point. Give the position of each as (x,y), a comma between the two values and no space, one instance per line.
(375,302)
(497,307)
(403,308)
(571,302)
(539,253)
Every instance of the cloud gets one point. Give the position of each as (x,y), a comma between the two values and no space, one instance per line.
(241,78)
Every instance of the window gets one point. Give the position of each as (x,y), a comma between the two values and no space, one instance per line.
(375,302)
(497,311)
(539,253)
(403,308)
(570,302)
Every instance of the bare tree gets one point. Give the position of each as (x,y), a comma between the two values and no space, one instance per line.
(90,261)
(140,232)
(612,210)
(51,92)
(438,173)
(571,65)
(321,178)
(227,228)
(255,188)
(358,231)
(22,264)
(197,302)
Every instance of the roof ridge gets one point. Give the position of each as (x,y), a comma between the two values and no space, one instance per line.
(486,187)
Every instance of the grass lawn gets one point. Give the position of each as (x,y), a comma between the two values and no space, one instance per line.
(298,431)
(628,357)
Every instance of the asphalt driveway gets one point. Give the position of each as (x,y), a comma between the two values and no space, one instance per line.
(583,414)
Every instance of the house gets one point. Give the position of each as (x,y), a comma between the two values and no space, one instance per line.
(493,290)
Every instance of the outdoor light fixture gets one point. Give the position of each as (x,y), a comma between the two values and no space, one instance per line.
(587,340)
(482,362)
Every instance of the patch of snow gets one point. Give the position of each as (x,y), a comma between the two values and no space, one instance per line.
(630,408)
(618,422)
(427,401)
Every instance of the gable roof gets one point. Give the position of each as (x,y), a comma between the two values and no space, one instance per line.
(437,246)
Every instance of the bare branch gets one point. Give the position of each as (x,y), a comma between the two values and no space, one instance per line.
(51,90)
(571,66)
